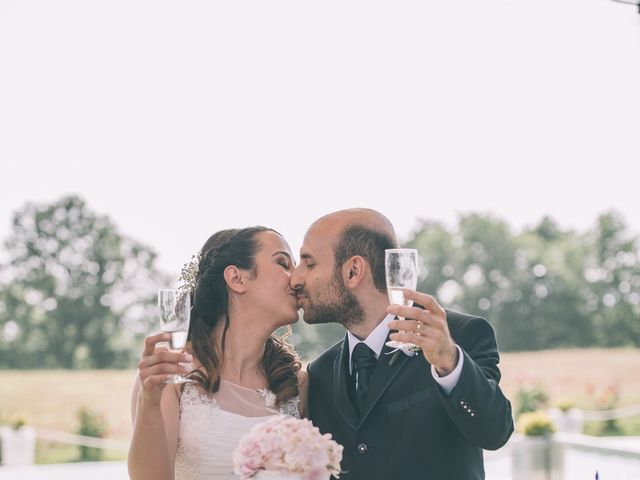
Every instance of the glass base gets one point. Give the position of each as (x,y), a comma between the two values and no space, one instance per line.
(177,379)
(402,345)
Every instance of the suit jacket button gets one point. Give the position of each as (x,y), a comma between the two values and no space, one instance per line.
(362,448)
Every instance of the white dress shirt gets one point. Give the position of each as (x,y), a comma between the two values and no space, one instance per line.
(376,340)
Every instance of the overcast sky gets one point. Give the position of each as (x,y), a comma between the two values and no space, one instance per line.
(178,119)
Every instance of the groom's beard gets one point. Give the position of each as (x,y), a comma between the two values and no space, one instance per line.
(341,307)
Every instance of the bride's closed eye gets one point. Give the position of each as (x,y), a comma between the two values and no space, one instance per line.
(284,262)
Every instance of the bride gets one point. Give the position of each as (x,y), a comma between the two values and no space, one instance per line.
(241,372)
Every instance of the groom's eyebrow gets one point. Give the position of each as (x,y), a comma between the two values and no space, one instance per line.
(305,256)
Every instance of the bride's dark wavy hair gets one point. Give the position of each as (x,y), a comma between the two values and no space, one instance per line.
(210,306)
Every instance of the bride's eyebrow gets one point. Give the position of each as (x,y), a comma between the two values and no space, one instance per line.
(283,253)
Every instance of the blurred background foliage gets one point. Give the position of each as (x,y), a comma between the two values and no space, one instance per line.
(77,293)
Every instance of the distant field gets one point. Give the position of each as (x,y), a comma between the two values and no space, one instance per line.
(571,374)
(51,398)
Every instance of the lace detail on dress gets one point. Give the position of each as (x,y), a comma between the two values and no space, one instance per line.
(269,397)
(211,426)
(191,397)
(289,407)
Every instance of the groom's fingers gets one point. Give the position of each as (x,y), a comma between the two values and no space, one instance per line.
(427,301)
(415,329)
(425,342)
(429,304)
(406,325)
(413,326)
(414,313)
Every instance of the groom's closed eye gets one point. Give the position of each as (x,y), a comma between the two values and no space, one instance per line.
(307,260)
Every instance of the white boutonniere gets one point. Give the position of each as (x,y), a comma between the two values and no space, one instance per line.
(406,348)
(410,350)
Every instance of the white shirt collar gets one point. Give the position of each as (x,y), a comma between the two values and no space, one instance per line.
(376,339)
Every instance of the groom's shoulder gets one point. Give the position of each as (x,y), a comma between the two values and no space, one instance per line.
(326,358)
(459,318)
(458,321)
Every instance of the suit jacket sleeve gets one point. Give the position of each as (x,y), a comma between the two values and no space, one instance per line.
(477,405)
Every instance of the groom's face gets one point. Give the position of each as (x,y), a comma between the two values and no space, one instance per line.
(322,293)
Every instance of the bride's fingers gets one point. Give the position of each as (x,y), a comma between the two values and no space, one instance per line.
(162,368)
(160,379)
(164,356)
(151,341)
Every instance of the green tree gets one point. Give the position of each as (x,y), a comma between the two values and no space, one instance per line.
(612,272)
(311,340)
(76,293)
(546,306)
(542,288)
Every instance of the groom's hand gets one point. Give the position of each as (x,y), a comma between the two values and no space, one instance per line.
(427,328)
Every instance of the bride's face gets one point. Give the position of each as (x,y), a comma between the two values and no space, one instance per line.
(268,289)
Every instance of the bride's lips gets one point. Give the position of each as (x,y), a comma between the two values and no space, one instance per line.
(294,297)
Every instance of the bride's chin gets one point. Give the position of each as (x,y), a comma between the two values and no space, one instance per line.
(290,320)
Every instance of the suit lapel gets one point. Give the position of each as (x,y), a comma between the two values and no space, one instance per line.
(341,386)
(383,375)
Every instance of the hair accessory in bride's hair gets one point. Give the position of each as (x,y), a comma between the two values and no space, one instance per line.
(189,273)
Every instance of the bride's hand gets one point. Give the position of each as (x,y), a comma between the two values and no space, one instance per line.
(157,364)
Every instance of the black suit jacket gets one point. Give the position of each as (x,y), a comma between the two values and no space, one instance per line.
(409,427)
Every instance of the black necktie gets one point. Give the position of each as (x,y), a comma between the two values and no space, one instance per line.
(364,361)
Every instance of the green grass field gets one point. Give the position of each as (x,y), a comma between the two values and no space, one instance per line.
(51,399)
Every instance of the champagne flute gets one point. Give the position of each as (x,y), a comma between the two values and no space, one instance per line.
(401,270)
(175,313)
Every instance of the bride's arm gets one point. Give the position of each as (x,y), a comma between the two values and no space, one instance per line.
(303,388)
(156,414)
(135,391)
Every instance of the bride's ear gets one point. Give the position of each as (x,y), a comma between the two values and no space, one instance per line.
(235,279)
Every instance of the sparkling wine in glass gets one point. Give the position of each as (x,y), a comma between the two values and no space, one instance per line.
(175,313)
(401,270)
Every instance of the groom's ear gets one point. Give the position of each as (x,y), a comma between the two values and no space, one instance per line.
(353,271)
(235,279)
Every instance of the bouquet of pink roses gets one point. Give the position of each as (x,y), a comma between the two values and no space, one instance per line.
(289,446)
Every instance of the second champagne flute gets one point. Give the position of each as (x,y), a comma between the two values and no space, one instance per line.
(401,270)
(175,314)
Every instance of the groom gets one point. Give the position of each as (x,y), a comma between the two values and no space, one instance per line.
(426,416)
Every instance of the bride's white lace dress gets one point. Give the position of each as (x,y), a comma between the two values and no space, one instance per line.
(211,426)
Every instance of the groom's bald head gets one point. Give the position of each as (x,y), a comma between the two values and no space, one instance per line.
(358,231)
(338,221)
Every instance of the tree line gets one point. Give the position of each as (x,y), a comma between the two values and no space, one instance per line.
(75,292)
